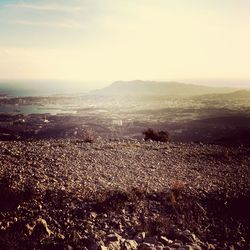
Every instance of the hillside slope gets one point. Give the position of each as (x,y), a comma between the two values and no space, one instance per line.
(235,95)
(67,194)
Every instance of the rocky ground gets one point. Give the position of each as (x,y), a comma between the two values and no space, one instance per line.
(68,194)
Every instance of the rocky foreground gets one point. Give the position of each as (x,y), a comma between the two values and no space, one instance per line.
(68,194)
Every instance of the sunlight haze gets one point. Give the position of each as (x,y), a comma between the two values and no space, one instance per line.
(110,40)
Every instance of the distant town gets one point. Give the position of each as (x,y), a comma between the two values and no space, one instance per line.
(114,113)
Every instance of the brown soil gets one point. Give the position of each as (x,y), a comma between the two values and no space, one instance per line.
(67,194)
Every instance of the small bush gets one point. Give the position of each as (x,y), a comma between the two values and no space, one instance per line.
(176,191)
(150,134)
(89,135)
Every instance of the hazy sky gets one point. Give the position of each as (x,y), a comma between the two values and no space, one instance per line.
(125,39)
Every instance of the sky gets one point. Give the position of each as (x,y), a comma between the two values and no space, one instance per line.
(108,40)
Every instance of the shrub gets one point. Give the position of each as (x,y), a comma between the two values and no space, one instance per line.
(176,191)
(89,135)
(150,134)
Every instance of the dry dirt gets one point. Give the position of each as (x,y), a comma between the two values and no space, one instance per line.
(68,194)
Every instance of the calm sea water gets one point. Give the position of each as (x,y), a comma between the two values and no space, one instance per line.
(47,87)
(38,88)
(35,109)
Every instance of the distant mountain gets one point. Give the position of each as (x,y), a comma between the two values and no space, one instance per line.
(142,88)
(239,94)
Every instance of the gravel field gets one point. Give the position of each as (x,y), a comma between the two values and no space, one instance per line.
(67,194)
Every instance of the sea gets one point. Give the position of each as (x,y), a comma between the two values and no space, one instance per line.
(43,88)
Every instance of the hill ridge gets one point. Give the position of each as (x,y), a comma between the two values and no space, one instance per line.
(140,88)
